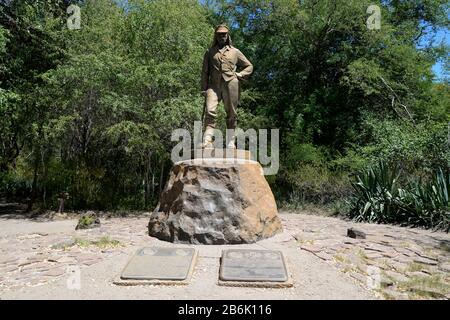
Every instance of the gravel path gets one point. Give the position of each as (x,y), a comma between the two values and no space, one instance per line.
(393,262)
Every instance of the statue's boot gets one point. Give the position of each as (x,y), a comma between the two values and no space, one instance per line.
(208,139)
(232,142)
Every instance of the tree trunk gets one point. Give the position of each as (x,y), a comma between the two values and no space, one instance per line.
(147,178)
(34,185)
(44,179)
(153,183)
(161,177)
(61,205)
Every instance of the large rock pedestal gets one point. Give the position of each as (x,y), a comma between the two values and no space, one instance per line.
(215,201)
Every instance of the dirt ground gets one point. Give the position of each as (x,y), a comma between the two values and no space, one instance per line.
(36,256)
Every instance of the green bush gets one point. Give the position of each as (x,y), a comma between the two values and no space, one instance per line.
(13,186)
(420,149)
(310,184)
(429,202)
(378,196)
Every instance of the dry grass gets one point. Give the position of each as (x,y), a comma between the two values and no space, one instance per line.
(102,243)
(432,287)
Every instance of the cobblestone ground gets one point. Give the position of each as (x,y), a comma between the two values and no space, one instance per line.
(36,258)
(394,262)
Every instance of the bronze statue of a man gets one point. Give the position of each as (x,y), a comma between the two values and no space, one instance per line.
(220,81)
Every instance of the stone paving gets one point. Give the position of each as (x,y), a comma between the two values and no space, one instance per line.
(397,262)
(409,263)
(36,258)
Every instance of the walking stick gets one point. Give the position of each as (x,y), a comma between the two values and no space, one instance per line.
(204,113)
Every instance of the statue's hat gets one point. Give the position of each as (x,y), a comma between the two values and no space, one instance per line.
(222,28)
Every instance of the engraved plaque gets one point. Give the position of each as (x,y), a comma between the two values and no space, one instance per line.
(253,265)
(152,263)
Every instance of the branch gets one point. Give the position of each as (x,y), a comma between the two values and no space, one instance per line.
(398,99)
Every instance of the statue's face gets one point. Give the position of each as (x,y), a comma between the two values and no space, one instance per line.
(222,38)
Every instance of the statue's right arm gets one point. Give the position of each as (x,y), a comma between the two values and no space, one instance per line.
(205,71)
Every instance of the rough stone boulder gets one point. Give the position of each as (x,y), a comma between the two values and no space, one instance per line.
(215,202)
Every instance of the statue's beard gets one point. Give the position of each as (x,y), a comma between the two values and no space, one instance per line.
(222,41)
(217,41)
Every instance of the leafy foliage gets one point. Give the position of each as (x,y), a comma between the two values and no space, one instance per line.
(379,197)
(90,112)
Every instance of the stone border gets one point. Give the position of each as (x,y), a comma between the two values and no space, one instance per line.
(289,283)
(117,280)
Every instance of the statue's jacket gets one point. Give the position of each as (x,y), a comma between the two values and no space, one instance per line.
(222,64)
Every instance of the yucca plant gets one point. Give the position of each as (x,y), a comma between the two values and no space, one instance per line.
(378,197)
(375,194)
(427,204)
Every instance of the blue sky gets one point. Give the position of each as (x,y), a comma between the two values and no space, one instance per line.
(438,68)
